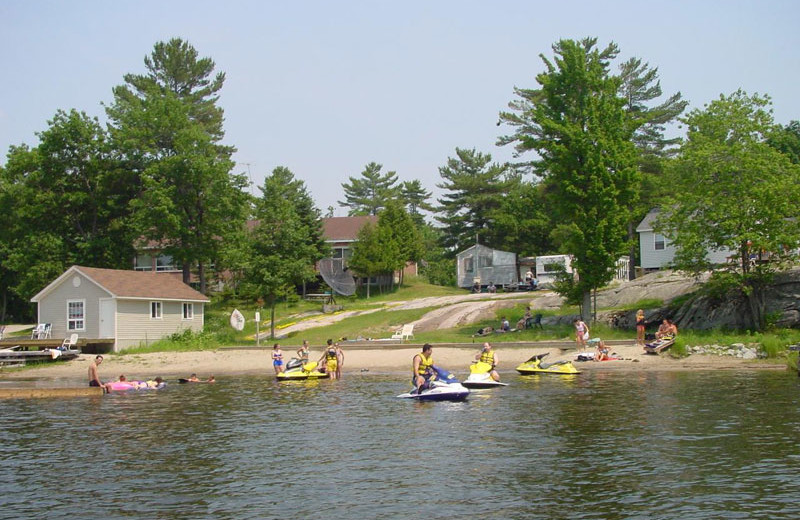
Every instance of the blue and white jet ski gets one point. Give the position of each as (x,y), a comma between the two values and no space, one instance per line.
(442,386)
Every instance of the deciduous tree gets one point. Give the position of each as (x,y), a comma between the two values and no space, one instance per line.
(67,202)
(732,191)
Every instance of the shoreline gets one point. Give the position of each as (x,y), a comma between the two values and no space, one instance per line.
(230,362)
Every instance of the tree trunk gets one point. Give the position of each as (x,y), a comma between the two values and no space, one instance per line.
(187,273)
(632,252)
(756,304)
(586,306)
(201,269)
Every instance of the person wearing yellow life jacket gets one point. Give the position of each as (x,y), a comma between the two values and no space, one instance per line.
(329,361)
(422,367)
(489,356)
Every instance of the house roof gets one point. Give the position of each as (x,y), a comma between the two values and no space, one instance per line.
(647,222)
(340,229)
(131,284)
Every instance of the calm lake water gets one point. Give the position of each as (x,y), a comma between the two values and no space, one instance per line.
(661,445)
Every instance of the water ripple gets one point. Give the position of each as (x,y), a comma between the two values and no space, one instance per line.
(594,446)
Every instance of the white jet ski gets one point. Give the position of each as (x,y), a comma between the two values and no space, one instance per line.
(480,376)
(442,386)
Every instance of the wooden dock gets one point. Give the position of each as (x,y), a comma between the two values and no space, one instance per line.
(37,392)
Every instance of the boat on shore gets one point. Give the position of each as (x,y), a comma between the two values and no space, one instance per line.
(19,355)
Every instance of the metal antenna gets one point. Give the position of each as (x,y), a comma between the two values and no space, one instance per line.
(249,176)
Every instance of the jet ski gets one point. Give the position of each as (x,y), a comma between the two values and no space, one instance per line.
(442,386)
(296,370)
(480,377)
(535,366)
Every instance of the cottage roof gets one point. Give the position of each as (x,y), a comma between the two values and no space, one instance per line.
(341,229)
(132,284)
(647,222)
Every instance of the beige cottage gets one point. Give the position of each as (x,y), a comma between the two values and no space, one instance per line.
(130,307)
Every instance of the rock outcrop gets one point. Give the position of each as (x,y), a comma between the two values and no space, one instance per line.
(700,313)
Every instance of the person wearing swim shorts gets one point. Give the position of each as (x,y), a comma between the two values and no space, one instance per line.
(277,359)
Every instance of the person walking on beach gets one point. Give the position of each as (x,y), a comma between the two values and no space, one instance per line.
(277,359)
(422,368)
(489,356)
(640,325)
(581,333)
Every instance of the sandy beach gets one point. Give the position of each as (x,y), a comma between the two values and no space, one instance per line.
(228,363)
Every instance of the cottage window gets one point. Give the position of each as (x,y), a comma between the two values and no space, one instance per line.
(155,310)
(484,261)
(165,263)
(188,311)
(76,314)
(658,242)
(469,265)
(340,257)
(554,267)
(143,263)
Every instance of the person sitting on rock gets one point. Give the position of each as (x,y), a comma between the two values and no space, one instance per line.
(666,330)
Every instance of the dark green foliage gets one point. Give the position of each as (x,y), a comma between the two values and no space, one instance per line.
(474,192)
(65,202)
(577,124)
(786,139)
(280,251)
(368,194)
(733,191)
(375,253)
(167,126)
(415,198)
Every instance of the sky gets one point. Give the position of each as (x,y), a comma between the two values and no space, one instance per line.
(325,88)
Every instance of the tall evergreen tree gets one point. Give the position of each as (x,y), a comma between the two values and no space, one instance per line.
(639,87)
(284,184)
(368,194)
(401,227)
(577,124)
(168,126)
(415,198)
(285,243)
(375,253)
(474,191)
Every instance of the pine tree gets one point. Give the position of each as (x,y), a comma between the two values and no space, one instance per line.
(368,194)
(577,124)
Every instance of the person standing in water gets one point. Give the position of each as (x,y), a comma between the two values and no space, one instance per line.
(339,360)
(330,358)
(303,352)
(277,359)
